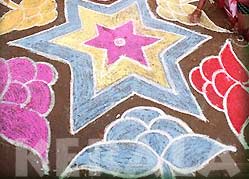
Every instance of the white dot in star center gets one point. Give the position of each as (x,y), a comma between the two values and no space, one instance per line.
(119,42)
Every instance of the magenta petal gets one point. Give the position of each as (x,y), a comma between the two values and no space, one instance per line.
(24,128)
(40,96)
(45,72)
(3,76)
(21,69)
(232,64)
(16,93)
(236,105)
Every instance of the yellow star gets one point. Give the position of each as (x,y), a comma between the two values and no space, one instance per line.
(106,75)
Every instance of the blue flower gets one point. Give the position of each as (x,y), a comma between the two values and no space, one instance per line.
(144,141)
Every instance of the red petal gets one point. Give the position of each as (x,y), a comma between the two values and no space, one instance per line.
(236,106)
(232,64)
(222,82)
(196,79)
(209,66)
(212,97)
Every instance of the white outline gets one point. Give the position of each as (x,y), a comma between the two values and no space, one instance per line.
(236,82)
(54,71)
(5,89)
(159,2)
(143,108)
(170,82)
(215,74)
(155,132)
(171,118)
(193,169)
(172,172)
(229,45)
(161,161)
(212,57)
(104,65)
(69,170)
(191,79)
(52,96)
(34,24)
(113,124)
(240,136)
(208,100)
(27,100)
(25,59)
(45,163)
(56,58)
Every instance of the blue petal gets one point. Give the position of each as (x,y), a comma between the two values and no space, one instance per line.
(157,141)
(127,129)
(170,126)
(190,153)
(166,172)
(123,159)
(146,114)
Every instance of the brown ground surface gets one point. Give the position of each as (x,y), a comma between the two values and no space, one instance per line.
(59,117)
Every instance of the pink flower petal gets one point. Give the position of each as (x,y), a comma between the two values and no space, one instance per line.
(212,97)
(196,79)
(232,64)
(21,69)
(222,82)
(45,72)
(236,106)
(3,76)
(24,128)
(16,93)
(209,66)
(40,96)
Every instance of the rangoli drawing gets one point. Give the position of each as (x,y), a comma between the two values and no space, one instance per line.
(27,14)
(101,80)
(26,98)
(223,81)
(145,140)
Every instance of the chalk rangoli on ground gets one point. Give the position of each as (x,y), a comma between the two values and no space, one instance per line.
(102,78)
(178,10)
(144,141)
(27,14)
(224,82)
(26,98)
(119,45)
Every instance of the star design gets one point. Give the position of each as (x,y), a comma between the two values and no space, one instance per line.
(129,18)
(125,76)
(121,42)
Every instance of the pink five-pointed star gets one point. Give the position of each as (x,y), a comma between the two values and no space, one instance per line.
(121,42)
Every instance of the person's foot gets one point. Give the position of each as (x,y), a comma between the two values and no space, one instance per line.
(195,16)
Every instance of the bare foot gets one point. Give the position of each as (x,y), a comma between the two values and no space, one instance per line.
(195,16)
